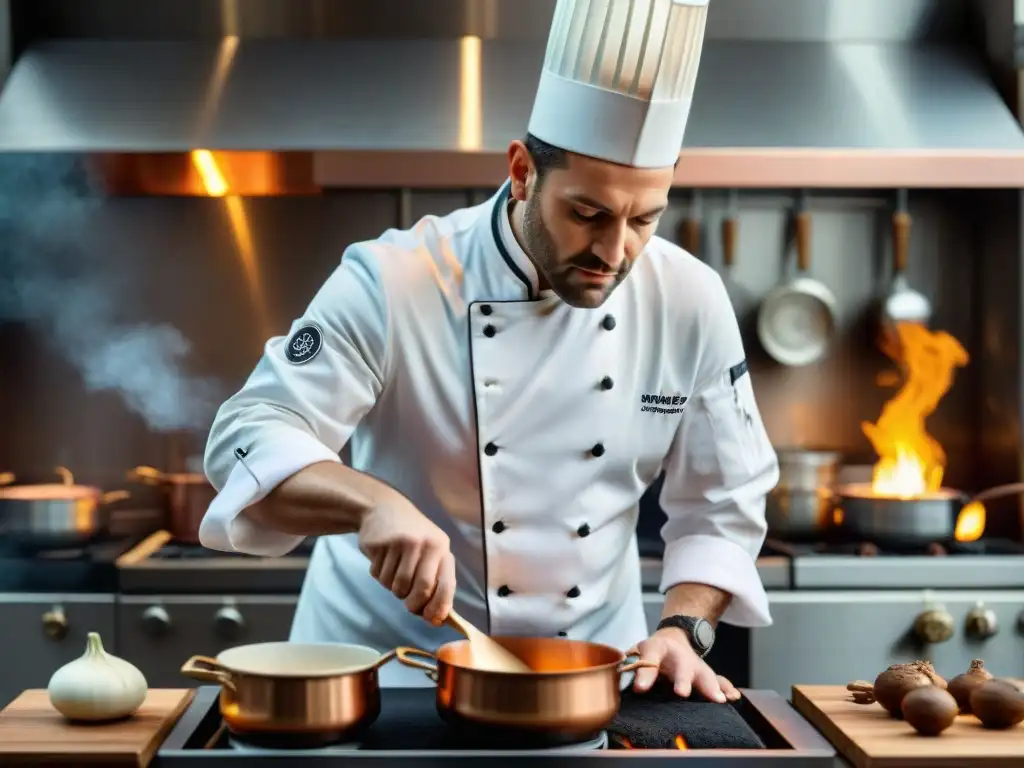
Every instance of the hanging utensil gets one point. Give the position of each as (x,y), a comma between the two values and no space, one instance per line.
(796,322)
(691,225)
(487,654)
(730,232)
(903,304)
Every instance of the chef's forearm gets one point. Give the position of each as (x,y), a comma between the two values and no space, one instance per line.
(690,599)
(323,499)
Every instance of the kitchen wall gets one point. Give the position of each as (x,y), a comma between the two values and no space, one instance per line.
(124,322)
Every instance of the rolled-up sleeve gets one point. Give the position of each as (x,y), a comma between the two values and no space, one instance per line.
(717,475)
(300,405)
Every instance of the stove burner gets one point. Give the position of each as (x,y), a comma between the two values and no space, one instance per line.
(236,743)
(239,745)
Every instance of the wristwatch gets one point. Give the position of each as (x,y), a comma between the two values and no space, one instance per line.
(700,631)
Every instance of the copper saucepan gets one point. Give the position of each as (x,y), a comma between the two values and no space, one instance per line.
(53,515)
(572,693)
(294,694)
(188,495)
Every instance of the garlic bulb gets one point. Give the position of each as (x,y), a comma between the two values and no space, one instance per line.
(97,685)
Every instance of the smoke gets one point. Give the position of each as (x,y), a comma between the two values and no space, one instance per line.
(74,300)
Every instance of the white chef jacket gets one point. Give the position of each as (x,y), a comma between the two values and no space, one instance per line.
(525,428)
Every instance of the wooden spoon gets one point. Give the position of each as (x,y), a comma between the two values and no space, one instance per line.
(487,654)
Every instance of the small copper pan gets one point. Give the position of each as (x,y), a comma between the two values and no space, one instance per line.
(294,694)
(572,693)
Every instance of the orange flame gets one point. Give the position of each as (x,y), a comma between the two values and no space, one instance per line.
(678,741)
(911,462)
(681,742)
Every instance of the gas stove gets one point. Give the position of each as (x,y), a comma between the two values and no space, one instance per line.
(982,564)
(90,568)
(409,732)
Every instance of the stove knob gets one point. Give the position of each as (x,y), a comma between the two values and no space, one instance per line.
(55,623)
(229,623)
(156,621)
(934,626)
(981,622)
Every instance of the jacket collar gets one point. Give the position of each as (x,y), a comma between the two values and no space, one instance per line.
(512,253)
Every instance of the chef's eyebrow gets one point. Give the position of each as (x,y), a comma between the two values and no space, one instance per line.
(591,203)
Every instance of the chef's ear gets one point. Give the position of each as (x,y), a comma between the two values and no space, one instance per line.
(521,170)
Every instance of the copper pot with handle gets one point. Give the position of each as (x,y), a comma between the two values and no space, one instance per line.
(294,694)
(571,694)
(187,495)
(48,516)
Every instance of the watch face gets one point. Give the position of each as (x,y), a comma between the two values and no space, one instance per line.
(704,634)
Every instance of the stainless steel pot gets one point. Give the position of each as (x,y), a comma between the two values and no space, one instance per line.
(187,497)
(861,514)
(800,505)
(572,693)
(293,694)
(54,515)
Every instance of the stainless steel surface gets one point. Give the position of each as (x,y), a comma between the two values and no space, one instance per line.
(835,20)
(801,502)
(832,637)
(42,632)
(908,572)
(862,515)
(360,96)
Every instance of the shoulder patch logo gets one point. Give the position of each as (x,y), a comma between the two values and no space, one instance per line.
(737,371)
(304,344)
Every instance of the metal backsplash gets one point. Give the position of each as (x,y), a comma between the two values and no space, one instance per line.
(788,20)
(124,322)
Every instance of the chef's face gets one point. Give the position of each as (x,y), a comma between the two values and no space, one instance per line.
(584,225)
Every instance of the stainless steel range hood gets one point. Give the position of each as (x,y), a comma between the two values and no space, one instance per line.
(288,115)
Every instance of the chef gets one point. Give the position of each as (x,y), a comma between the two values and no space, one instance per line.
(506,381)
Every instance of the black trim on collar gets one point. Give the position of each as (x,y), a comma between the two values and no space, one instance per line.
(499,205)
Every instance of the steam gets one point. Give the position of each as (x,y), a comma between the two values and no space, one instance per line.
(72,299)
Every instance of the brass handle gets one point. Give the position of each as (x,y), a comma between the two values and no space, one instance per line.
(934,626)
(146,475)
(729,229)
(65,475)
(6,478)
(207,670)
(55,623)
(406,656)
(900,240)
(802,222)
(384,659)
(111,496)
(631,666)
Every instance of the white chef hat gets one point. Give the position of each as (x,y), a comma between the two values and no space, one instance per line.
(618,78)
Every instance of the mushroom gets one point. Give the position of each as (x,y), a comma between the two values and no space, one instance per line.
(900,679)
(929,710)
(999,704)
(962,686)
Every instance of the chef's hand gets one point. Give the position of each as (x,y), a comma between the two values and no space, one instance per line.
(410,556)
(678,662)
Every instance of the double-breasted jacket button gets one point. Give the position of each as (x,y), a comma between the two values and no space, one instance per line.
(573,593)
(597,450)
(583,531)
(607,383)
(489,331)
(490,449)
(486,309)
(498,527)
(504,591)
(608,323)
(563,633)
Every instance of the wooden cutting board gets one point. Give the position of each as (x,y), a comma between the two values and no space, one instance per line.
(868,737)
(33,733)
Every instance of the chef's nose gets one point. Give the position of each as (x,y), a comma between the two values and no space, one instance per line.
(611,246)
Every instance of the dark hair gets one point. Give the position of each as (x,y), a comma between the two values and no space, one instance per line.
(546,157)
